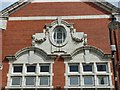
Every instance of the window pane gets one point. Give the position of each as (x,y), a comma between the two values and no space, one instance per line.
(87,68)
(59,34)
(30,80)
(105,89)
(16,80)
(17,69)
(73,68)
(44,68)
(31,68)
(101,67)
(88,80)
(44,81)
(103,80)
(74,89)
(89,89)
(14,89)
(74,80)
(28,89)
(43,89)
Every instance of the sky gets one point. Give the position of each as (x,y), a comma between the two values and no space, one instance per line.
(6,3)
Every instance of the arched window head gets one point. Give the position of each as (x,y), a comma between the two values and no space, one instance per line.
(59,34)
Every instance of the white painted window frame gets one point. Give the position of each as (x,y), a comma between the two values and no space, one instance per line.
(12,80)
(17,65)
(88,71)
(45,65)
(78,80)
(72,64)
(107,80)
(93,83)
(31,72)
(106,67)
(48,81)
(34,81)
(95,73)
(24,74)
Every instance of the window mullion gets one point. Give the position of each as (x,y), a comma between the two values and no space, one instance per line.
(24,69)
(37,68)
(37,81)
(23,81)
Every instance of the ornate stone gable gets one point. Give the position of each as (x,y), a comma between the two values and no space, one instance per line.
(59,37)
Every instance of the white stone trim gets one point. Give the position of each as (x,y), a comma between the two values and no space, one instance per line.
(55,17)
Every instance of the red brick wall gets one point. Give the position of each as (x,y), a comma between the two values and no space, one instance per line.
(59,70)
(18,33)
(60,9)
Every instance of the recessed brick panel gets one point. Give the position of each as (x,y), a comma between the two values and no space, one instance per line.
(59,70)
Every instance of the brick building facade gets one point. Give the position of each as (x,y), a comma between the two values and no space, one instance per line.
(57,45)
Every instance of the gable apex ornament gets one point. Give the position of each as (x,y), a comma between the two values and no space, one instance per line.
(59,19)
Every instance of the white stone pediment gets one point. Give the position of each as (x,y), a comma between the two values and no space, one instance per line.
(47,40)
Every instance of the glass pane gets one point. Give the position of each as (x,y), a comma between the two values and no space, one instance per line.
(43,89)
(14,89)
(74,80)
(28,89)
(87,68)
(88,80)
(101,67)
(59,34)
(74,68)
(16,80)
(103,80)
(44,80)
(74,89)
(88,89)
(17,69)
(44,68)
(30,80)
(105,89)
(31,68)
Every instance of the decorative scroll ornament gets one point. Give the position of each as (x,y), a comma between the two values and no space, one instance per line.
(79,37)
(76,37)
(38,38)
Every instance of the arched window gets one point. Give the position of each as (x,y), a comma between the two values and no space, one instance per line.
(59,34)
